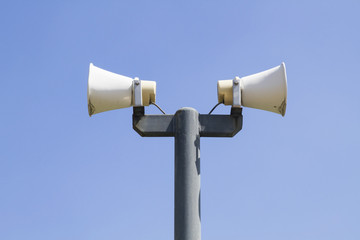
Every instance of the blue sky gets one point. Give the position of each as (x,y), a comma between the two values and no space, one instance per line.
(64,175)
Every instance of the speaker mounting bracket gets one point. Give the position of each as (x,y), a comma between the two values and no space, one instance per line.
(237,92)
(164,125)
(137,92)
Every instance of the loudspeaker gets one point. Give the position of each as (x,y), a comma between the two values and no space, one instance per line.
(266,90)
(109,91)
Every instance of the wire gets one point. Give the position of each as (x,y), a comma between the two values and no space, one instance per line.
(157,107)
(214,107)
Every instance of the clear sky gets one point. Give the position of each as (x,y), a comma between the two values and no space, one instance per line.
(66,176)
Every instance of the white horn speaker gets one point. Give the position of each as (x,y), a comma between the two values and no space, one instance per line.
(266,90)
(109,91)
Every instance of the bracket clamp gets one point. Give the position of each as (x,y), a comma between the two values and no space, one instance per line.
(237,84)
(137,92)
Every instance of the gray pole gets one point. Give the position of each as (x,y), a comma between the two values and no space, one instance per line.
(187,126)
(187,175)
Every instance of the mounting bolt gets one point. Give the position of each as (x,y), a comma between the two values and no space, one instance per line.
(137,81)
(236,80)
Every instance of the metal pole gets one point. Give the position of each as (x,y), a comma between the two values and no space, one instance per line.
(187,175)
(187,126)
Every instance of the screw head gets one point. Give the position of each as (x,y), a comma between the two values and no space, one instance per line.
(236,80)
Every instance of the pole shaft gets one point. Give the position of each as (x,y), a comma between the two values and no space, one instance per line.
(187,175)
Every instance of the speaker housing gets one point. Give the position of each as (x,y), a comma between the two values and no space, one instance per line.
(266,90)
(108,91)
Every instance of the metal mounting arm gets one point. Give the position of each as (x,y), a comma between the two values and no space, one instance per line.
(210,125)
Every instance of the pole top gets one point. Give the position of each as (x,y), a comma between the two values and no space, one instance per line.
(187,109)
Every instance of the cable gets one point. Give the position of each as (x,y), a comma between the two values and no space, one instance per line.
(214,107)
(157,107)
